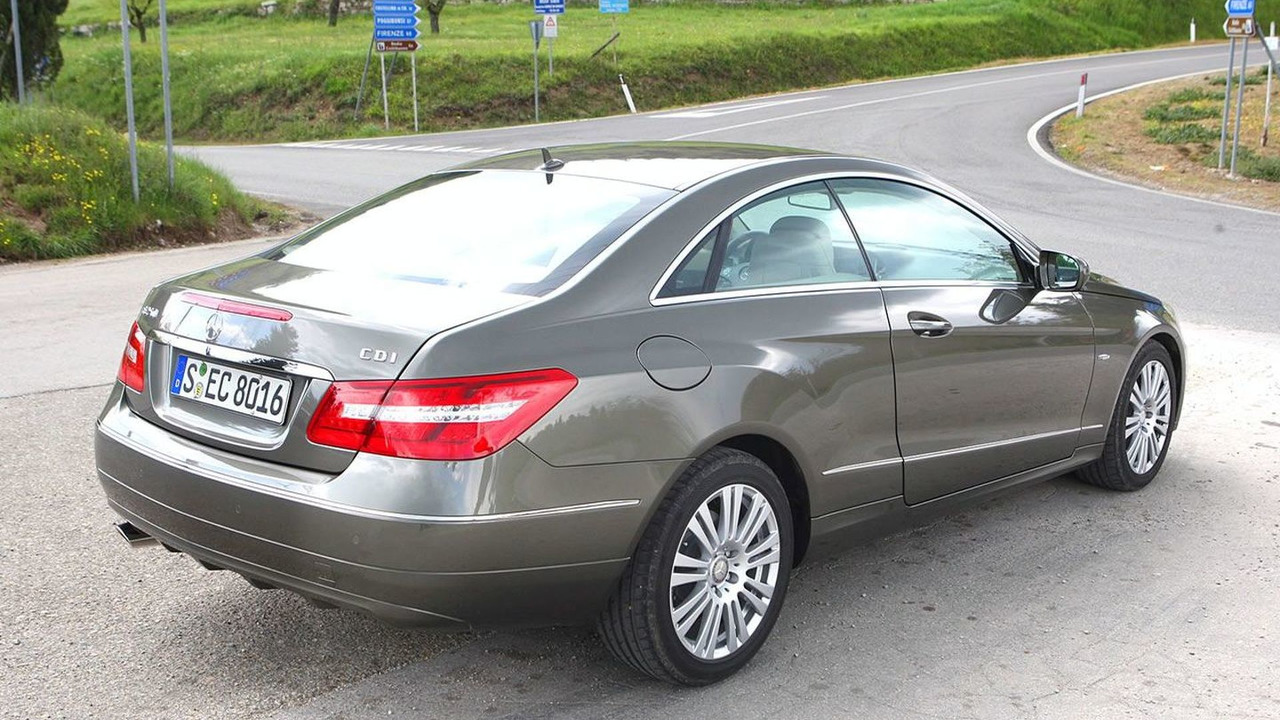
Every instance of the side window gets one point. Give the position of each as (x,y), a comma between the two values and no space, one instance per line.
(910,233)
(796,236)
(691,277)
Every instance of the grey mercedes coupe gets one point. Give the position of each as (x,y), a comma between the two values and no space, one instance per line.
(625,384)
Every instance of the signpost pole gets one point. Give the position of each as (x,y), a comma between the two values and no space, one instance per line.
(1226,104)
(1266,110)
(535,27)
(1235,135)
(17,50)
(386,110)
(128,99)
(364,76)
(551,56)
(164,74)
(413,58)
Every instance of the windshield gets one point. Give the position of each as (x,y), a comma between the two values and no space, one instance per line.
(508,231)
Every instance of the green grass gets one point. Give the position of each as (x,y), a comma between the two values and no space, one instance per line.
(64,190)
(243,77)
(1181,133)
(1252,165)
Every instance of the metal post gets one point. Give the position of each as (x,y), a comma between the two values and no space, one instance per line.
(363,77)
(551,56)
(535,29)
(17,50)
(615,46)
(1235,135)
(386,110)
(128,99)
(164,74)
(1226,105)
(413,59)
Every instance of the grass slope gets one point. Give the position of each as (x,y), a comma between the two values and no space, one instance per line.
(65,190)
(239,77)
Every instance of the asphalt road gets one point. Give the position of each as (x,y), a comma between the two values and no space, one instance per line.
(1056,601)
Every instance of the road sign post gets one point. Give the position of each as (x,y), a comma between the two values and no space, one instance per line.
(1235,134)
(164,83)
(1226,105)
(550,30)
(17,49)
(535,30)
(614,8)
(128,99)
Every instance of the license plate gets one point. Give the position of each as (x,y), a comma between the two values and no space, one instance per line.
(230,388)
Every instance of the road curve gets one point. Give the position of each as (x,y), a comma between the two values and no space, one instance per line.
(967,128)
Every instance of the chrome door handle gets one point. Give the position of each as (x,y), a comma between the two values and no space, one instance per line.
(927,325)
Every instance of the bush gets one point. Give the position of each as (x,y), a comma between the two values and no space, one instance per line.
(1181,133)
(1166,113)
(65,189)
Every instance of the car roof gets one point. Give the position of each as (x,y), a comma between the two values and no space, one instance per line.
(670,165)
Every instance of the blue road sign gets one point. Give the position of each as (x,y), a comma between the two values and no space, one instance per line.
(395,8)
(1240,7)
(548,7)
(396,34)
(615,6)
(395,21)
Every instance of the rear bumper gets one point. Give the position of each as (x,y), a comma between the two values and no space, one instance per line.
(517,565)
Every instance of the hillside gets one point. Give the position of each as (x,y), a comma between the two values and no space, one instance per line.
(241,77)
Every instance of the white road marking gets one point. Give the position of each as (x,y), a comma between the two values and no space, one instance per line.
(385,147)
(1033,139)
(908,96)
(716,111)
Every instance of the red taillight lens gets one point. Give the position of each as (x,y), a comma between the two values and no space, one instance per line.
(133,365)
(453,419)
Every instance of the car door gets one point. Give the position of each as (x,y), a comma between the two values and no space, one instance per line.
(779,297)
(991,374)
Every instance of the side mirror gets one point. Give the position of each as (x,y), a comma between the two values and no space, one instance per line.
(1059,271)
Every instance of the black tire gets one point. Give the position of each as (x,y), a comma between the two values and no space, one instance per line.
(1112,471)
(637,626)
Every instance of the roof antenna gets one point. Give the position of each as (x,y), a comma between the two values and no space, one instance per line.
(550,164)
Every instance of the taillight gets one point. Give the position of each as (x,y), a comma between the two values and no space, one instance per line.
(133,365)
(453,419)
(235,307)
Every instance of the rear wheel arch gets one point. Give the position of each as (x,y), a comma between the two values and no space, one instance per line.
(783,463)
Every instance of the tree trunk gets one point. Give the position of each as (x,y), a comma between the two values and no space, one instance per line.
(434,15)
(333,12)
(138,21)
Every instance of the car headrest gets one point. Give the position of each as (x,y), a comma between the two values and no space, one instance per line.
(799,223)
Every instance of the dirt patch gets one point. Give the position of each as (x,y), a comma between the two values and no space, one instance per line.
(1165,136)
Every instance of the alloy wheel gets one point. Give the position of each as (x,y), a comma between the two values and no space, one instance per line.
(1146,428)
(725,571)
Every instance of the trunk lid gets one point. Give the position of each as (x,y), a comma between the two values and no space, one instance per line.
(294,328)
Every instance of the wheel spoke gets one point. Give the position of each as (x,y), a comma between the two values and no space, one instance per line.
(709,632)
(703,527)
(690,563)
(683,578)
(692,609)
(758,604)
(737,625)
(745,530)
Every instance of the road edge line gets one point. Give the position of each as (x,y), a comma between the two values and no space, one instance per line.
(1047,154)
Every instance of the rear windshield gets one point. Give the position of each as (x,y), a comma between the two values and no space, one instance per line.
(508,231)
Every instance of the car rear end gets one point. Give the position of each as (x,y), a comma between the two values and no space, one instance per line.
(262,422)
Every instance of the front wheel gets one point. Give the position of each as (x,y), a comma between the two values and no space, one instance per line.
(1141,425)
(708,578)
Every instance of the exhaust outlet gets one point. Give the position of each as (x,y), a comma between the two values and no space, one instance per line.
(132,534)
